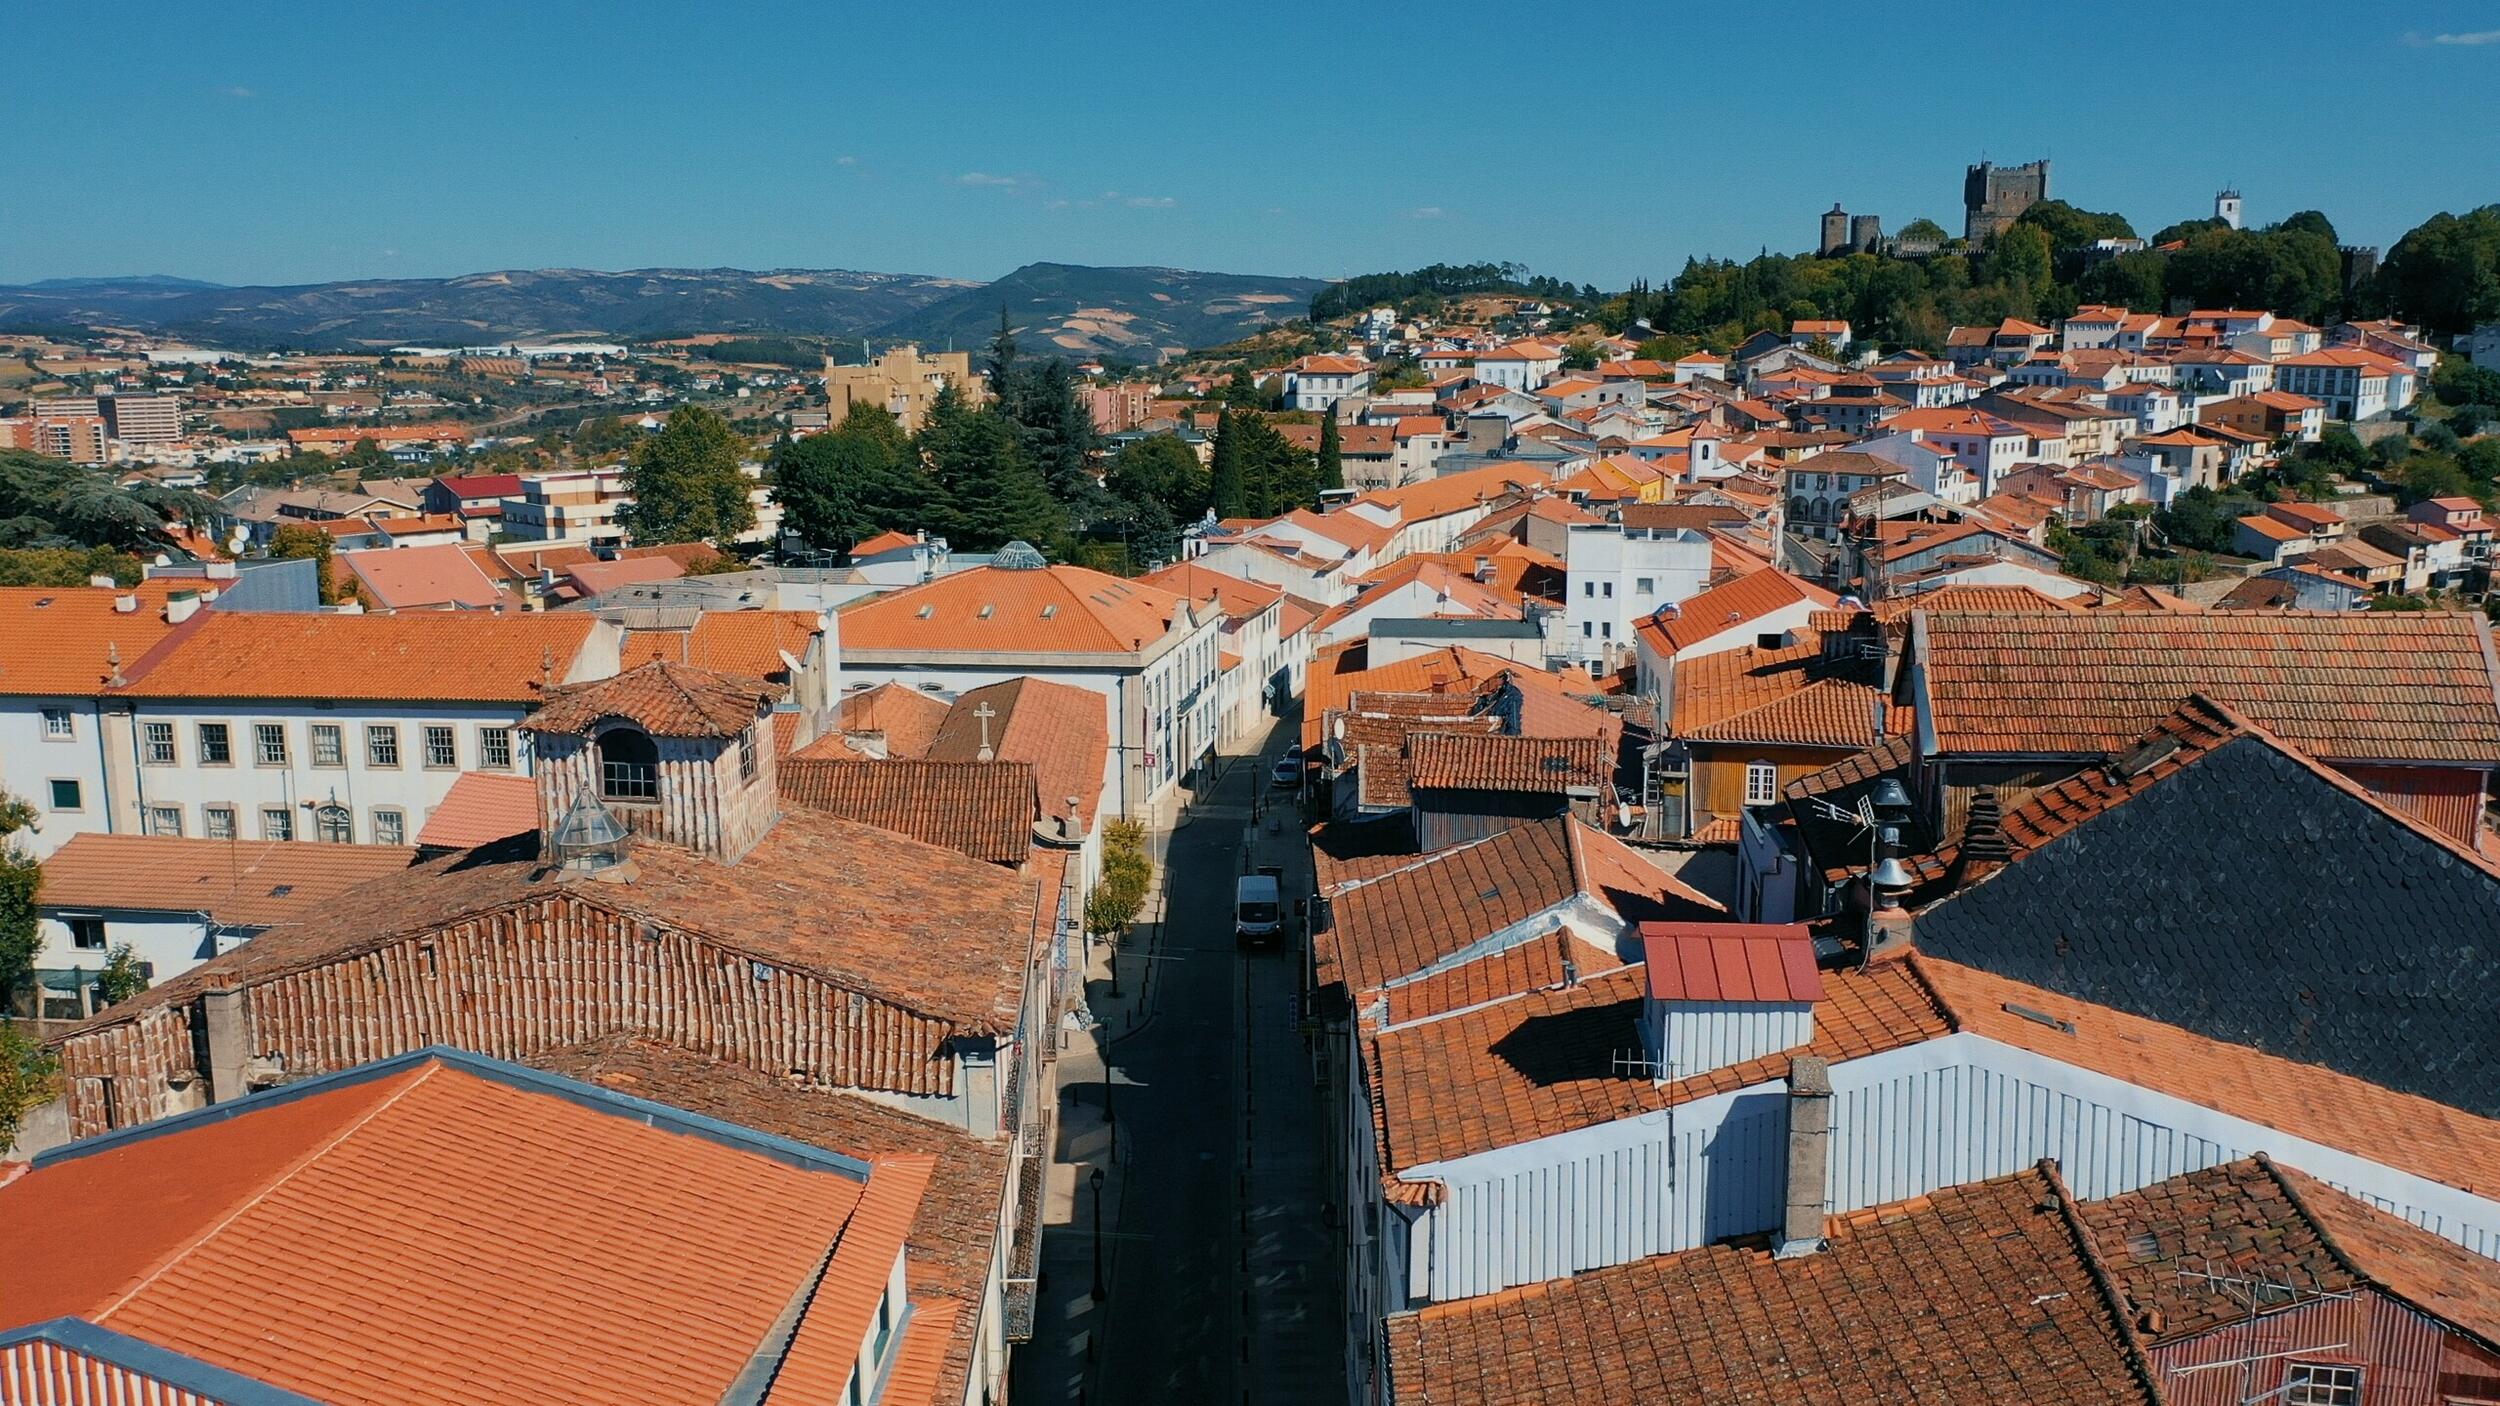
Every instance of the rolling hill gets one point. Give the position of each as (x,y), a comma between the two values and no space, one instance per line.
(1136,314)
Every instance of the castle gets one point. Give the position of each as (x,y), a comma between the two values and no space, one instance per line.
(1992,196)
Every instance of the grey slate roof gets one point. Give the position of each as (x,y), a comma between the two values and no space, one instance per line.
(2249,899)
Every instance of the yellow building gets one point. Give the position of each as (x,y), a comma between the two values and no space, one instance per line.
(902,382)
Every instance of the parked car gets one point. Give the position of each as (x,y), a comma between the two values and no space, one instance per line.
(1288,770)
(1258,909)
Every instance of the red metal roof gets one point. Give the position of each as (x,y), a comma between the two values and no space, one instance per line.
(1730,962)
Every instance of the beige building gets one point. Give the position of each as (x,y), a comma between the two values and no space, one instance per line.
(903,382)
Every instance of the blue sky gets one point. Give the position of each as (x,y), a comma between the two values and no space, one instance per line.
(261,143)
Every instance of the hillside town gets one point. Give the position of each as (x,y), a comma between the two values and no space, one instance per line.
(1483,841)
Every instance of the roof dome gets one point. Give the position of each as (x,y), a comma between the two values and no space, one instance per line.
(588,835)
(1019,556)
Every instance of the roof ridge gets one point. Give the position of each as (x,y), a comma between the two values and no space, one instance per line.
(252,1197)
(2326,1237)
(2107,1284)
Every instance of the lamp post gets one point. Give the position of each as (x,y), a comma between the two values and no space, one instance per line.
(1096,1181)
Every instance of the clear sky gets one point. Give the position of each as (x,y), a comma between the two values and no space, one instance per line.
(249,143)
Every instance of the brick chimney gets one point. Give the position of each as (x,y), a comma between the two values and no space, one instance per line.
(1809,1156)
(1984,848)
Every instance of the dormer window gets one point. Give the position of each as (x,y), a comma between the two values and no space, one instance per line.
(629,765)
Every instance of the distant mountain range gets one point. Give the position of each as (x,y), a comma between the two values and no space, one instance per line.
(1136,314)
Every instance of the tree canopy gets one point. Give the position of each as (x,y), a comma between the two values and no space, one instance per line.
(48,502)
(685,481)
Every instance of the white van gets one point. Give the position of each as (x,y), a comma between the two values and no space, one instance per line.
(1257,909)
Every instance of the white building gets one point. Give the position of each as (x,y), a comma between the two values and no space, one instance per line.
(1615,576)
(1152,655)
(61,648)
(1319,382)
(340,728)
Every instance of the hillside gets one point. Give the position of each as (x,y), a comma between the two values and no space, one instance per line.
(1132,313)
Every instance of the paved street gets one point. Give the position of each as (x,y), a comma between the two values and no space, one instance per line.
(1220,1272)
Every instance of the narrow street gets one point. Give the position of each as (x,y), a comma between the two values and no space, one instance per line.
(1219,1271)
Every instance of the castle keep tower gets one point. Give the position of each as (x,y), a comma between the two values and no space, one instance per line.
(1992,196)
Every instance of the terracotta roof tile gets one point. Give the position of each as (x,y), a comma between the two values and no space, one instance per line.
(480,808)
(1054,610)
(1057,728)
(670,700)
(2340,685)
(1830,712)
(981,809)
(1513,971)
(1543,765)
(62,640)
(751,642)
(908,717)
(417,578)
(1979,1293)
(407,1235)
(1721,608)
(460,655)
(240,883)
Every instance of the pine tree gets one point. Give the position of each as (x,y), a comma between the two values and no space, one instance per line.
(1242,392)
(995,492)
(1227,484)
(1331,455)
(1002,364)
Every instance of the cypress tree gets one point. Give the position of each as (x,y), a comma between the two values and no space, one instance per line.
(1331,455)
(1227,485)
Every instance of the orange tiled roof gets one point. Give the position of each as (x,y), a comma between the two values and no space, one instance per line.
(981,809)
(1828,712)
(1448,761)
(669,700)
(1237,598)
(908,717)
(460,655)
(1516,970)
(1055,610)
(61,640)
(1338,672)
(2337,685)
(480,808)
(239,883)
(556,1203)
(409,578)
(731,641)
(1721,608)
(1978,1293)
(1058,728)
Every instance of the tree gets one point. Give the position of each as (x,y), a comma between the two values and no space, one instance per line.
(1127,880)
(1579,354)
(1058,433)
(2445,272)
(2426,476)
(20,877)
(1331,455)
(27,1071)
(121,977)
(994,492)
(685,482)
(297,542)
(1242,392)
(1228,484)
(850,482)
(2202,519)
(48,502)
(2069,228)
(1161,469)
(1923,230)
(1002,359)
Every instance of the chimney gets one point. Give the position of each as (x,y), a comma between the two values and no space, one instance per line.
(127,603)
(181,606)
(1809,1156)
(224,1020)
(1484,569)
(102,581)
(1984,849)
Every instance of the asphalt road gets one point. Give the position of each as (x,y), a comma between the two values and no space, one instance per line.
(1222,1280)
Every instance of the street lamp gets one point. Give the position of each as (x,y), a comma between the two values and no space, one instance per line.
(1096,1181)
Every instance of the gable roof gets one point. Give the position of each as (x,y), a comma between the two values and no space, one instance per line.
(1722,608)
(480,808)
(731,641)
(668,700)
(1977,1293)
(465,656)
(2098,904)
(626,1223)
(1237,598)
(2339,685)
(1539,765)
(413,578)
(2255,1219)
(64,640)
(238,883)
(1057,728)
(908,717)
(988,609)
(981,809)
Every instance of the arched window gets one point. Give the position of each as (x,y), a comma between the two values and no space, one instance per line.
(332,825)
(629,765)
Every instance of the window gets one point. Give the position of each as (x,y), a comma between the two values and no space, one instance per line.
(327,748)
(1588,589)
(1646,585)
(216,745)
(629,765)
(1610,590)
(1588,630)
(440,749)
(164,820)
(277,823)
(217,822)
(2321,1384)
(1762,784)
(59,724)
(85,934)
(156,743)
(390,827)
(332,825)
(65,796)
(494,748)
(382,744)
(746,754)
(269,742)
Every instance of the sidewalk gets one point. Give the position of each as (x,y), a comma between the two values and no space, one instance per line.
(1061,1363)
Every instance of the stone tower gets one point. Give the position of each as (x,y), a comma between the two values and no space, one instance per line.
(674,753)
(1835,230)
(1866,233)
(2227,208)
(1992,196)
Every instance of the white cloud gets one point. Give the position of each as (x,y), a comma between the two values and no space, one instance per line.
(846,161)
(1152,202)
(990,181)
(1425,212)
(236,91)
(2479,36)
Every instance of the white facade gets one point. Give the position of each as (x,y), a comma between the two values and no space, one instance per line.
(1615,578)
(82,939)
(264,769)
(52,757)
